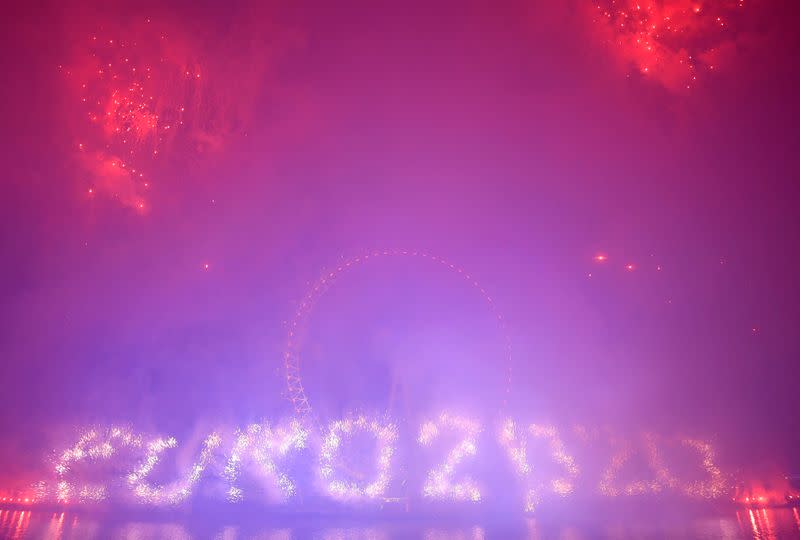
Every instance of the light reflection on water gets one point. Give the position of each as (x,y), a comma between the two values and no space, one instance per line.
(744,523)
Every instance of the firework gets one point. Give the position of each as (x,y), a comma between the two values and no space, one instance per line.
(385,435)
(715,485)
(94,445)
(263,446)
(634,468)
(516,447)
(136,88)
(609,485)
(673,42)
(661,477)
(174,492)
(439,483)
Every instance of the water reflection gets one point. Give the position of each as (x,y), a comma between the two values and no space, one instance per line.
(56,526)
(354,533)
(766,523)
(143,531)
(748,523)
(20,523)
(476,533)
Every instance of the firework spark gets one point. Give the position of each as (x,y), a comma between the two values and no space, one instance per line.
(439,483)
(175,492)
(516,447)
(673,42)
(263,446)
(148,94)
(135,88)
(93,445)
(386,436)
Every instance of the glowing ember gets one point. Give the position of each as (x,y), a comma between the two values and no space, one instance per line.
(340,431)
(673,42)
(135,87)
(440,483)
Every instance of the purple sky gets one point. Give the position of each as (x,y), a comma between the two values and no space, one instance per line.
(515,140)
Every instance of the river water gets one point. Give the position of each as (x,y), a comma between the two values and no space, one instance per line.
(744,523)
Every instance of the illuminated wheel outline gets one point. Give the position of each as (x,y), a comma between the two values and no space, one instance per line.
(291,356)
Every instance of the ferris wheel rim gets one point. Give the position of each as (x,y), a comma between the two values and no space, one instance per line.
(296,392)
